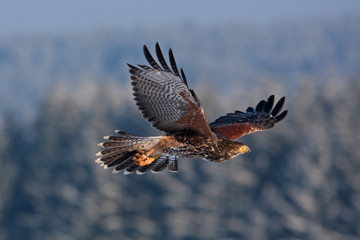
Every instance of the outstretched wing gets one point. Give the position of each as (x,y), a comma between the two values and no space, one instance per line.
(164,97)
(238,124)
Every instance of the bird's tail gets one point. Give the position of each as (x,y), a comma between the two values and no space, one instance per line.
(134,153)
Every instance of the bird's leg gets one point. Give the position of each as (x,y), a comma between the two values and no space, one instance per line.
(150,152)
(148,160)
(141,158)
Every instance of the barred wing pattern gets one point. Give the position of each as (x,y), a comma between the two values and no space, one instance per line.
(238,124)
(164,97)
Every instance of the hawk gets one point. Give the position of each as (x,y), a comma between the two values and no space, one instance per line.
(165,99)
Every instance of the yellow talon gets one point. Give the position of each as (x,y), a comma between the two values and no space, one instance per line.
(150,152)
(148,160)
(141,158)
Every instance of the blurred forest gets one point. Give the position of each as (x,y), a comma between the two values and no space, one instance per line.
(61,93)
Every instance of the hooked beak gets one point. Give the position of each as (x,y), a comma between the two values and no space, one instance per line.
(244,149)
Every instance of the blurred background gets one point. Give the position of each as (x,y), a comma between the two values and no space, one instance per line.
(65,84)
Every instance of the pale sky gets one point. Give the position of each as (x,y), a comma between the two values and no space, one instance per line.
(26,16)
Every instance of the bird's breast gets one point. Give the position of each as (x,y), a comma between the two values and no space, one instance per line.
(196,146)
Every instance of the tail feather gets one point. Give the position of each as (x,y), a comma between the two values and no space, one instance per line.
(173,166)
(112,145)
(131,168)
(109,159)
(166,160)
(146,168)
(119,160)
(110,152)
(122,141)
(120,150)
(120,132)
(160,164)
(123,165)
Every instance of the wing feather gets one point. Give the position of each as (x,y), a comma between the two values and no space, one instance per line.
(260,106)
(269,104)
(161,58)
(173,63)
(150,59)
(164,98)
(160,164)
(238,124)
(183,76)
(279,105)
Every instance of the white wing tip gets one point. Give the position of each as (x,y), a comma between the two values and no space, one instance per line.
(98,154)
(106,137)
(114,171)
(104,165)
(126,172)
(98,160)
(101,144)
(139,173)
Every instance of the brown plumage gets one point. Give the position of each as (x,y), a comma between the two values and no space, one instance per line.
(163,96)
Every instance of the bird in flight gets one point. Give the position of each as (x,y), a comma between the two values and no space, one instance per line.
(165,99)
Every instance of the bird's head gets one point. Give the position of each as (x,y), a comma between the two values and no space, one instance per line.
(240,148)
(243,149)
